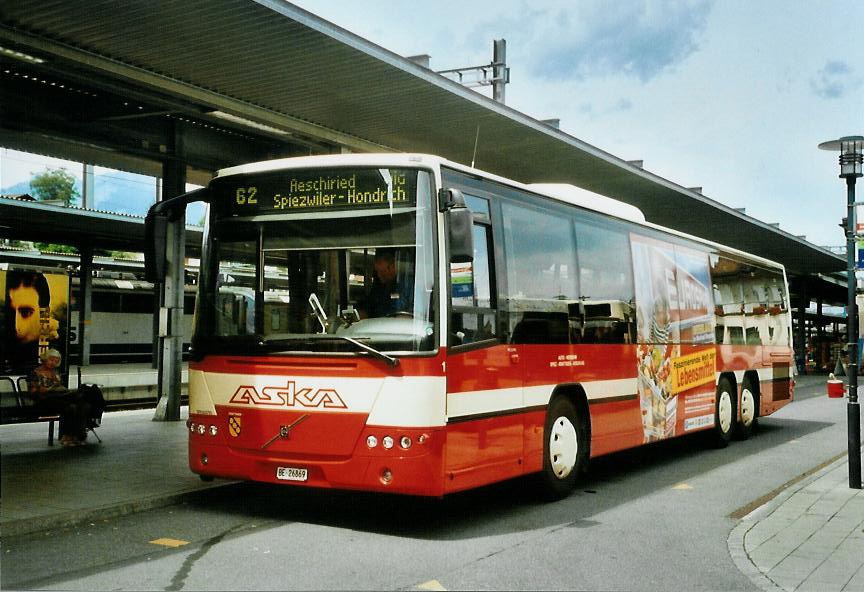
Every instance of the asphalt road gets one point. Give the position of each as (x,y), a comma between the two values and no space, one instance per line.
(656,518)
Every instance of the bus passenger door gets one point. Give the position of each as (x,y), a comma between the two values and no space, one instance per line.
(484,377)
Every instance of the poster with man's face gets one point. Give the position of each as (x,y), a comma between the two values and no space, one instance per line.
(35,317)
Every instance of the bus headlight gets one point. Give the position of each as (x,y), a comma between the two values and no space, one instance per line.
(371,441)
(214,430)
(405,442)
(387,442)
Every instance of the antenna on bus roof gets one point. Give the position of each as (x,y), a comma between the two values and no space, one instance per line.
(476,137)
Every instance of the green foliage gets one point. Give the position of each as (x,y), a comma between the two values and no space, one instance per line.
(127,255)
(55,248)
(55,184)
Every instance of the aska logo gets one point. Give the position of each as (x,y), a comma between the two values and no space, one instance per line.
(289,396)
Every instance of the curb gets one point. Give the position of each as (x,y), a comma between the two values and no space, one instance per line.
(74,518)
(735,542)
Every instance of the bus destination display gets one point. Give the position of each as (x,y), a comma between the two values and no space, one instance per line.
(315,191)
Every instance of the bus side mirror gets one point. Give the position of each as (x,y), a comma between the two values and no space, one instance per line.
(156,230)
(155,236)
(459,221)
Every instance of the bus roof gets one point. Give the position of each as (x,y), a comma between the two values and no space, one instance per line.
(590,200)
(558,191)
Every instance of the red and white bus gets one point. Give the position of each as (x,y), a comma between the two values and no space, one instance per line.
(402,323)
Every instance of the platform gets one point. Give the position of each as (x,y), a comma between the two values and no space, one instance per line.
(140,464)
(122,382)
(118,375)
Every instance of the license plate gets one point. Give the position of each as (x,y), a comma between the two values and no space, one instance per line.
(291,474)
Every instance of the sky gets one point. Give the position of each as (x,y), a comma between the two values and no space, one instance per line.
(729,95)
(114,191)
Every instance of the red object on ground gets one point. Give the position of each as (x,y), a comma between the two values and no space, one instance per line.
(836,389)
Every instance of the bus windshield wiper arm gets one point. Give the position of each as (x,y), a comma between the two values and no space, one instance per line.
(390,360)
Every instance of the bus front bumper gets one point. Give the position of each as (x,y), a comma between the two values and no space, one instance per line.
(416,471)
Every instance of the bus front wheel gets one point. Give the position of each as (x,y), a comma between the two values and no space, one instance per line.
(565,448)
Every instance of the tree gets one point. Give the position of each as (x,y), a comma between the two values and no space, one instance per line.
(55,185)
(55,248)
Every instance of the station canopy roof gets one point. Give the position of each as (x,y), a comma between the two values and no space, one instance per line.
(22,219)
(276,80)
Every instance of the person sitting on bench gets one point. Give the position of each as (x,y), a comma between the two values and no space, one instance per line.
(51,397)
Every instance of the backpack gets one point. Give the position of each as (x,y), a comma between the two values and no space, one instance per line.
(92,395)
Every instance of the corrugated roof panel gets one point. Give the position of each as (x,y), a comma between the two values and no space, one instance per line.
(273,55)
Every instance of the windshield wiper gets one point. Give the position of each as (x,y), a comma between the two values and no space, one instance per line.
(390,360)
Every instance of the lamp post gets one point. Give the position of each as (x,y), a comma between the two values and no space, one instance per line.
(851,157)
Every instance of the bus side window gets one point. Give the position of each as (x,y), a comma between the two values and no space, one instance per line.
(751,303)
(541,274)
(473,317)
(606,291)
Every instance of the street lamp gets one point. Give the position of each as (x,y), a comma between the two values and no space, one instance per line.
(851,158)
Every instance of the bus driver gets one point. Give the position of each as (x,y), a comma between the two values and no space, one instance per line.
(388,296)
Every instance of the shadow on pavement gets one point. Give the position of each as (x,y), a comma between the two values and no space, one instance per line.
(500,508)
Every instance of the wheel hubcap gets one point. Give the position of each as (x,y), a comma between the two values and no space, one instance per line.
(748,407)
(563,446)
(724,411)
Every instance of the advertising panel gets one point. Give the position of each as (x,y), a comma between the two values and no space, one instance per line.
(675,334)
(35,317)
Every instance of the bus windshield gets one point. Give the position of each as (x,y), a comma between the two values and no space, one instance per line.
(320,261)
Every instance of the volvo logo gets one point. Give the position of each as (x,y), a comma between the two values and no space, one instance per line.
(285,431)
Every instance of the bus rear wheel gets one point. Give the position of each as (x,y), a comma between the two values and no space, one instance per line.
(724,413)
(746,424)
(565,449)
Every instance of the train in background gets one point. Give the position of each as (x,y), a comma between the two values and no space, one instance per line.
(122,305)
(121,328)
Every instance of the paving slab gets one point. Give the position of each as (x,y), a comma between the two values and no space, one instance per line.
(140,464)
(808,538)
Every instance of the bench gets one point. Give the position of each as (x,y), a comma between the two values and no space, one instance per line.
(15,407)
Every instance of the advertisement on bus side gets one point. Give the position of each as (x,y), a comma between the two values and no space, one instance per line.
(675,334)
